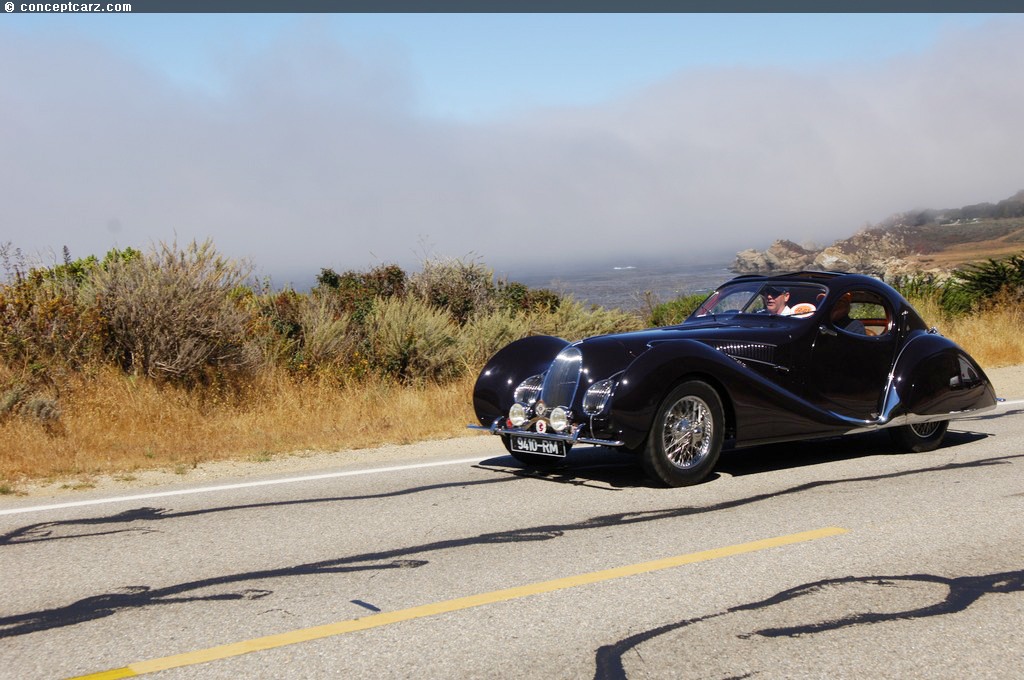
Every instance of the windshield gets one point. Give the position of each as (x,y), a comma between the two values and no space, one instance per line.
(782,298)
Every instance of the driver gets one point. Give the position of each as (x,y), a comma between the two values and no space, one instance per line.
(841,316)
(776,300)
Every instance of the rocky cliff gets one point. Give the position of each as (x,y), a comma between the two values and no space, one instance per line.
(875,252)
(930,241)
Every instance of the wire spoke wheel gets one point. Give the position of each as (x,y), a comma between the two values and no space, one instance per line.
(688,431)
(925,430)
(919,437)
(686,436)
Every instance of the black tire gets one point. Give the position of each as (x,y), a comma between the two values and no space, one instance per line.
(532,460)
(919,438)
(686,436)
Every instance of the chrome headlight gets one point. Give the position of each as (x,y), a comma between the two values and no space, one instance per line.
(597,396)
(528,391)
(517,414)
(559,419)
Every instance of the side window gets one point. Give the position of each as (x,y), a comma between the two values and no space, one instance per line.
(862,313)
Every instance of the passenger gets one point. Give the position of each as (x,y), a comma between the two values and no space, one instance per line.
(841,316)
(776,299)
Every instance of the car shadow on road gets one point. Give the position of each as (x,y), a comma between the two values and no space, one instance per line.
(596,467)
(789,455)
(609,469)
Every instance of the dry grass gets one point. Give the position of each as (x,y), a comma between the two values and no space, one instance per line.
(993,338)
(112,423)
(116,424)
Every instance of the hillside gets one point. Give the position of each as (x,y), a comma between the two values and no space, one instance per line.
(929,240)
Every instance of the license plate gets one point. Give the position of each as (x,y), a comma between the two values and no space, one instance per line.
(541,447)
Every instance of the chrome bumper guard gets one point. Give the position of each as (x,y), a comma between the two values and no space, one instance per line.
(570,439)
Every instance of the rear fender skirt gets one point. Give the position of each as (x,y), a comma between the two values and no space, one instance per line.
(933,377)
(492,394)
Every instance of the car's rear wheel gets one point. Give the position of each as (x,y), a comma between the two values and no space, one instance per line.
(921,437)
(686,438)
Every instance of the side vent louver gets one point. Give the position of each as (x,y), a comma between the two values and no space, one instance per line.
(747,351)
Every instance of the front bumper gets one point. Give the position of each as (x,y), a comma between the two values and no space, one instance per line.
(571,438)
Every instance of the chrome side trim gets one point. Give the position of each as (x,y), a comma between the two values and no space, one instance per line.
(908,419)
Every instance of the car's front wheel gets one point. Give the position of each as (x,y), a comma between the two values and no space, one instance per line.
(921,437)
(686,437)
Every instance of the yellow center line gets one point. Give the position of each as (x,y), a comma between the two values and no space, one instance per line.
(460,603)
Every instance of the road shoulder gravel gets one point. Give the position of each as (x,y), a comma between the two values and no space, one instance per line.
(1008,382)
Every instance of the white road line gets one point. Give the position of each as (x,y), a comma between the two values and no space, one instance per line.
(240,485)
(270,482)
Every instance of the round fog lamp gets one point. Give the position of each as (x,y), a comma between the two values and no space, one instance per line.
(559,419)
(517,414)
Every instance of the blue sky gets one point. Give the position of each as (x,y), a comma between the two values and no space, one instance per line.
(302,141)
(474,66)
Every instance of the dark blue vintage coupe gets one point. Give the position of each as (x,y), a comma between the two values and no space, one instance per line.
(762,359)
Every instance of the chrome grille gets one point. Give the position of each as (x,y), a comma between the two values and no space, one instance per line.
(561,379)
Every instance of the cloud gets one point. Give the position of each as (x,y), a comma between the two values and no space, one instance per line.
(307,156)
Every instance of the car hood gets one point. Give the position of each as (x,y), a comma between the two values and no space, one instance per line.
(605,355)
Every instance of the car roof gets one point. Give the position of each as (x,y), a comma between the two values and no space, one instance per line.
(806,276)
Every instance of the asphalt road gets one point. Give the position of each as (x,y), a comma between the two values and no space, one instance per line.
(837,559)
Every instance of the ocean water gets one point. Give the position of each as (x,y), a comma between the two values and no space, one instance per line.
(625,286)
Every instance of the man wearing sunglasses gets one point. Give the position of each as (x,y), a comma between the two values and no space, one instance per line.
(776,299)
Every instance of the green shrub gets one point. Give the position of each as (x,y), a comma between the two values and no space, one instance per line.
(484,334)
(573,320)
(170,314)
(46,318)
(410,340)
(462,288)
(325,338)
(918,286)
(353,293)
(971,288)
(975,286)
(12,397)
(22,400)
(675,311)
(514,296)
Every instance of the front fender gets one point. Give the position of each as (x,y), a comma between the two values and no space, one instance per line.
(517,361)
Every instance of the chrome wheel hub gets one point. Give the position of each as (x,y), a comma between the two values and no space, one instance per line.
(687,432)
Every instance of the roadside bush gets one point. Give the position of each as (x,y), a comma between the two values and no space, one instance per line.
(573,321)
(918,286)
(970,289)
(514,296)
(325,342)
(170,314)
(978,286)
(18,398)
(675,311)
(413,342)
(46,321)
(484,334)
(353,293)
(275,327)
(460,287)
